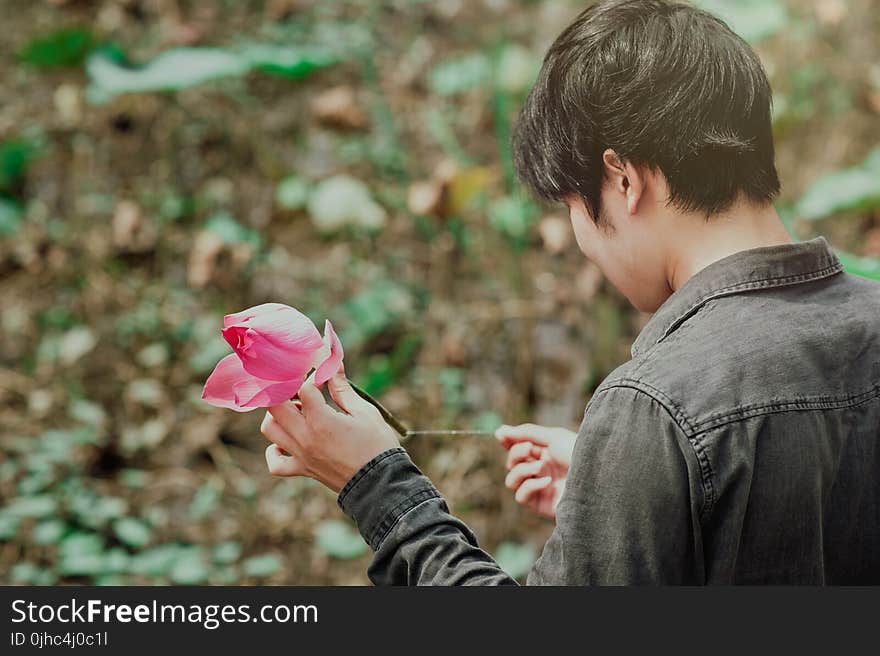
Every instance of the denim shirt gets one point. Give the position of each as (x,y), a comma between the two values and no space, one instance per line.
(739,445)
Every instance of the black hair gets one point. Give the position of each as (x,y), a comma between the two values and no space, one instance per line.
(663,84)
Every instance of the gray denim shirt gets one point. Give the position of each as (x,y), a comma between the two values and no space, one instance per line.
(739,445)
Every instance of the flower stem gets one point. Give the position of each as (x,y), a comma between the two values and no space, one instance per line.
(393,421)
(403,431)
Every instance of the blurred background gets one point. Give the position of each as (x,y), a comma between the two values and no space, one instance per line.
(164,162)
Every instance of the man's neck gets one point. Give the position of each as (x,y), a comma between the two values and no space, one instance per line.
(700,242)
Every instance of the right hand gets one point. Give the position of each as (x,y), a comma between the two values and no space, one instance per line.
(538,460)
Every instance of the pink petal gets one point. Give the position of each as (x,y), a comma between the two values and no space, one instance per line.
(230,386)
(274,341)
(219,386)
(329,366)
(250,313)
(255,393)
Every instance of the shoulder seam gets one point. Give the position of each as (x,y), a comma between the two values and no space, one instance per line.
(684,424)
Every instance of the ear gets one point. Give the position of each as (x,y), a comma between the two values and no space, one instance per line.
(625,179)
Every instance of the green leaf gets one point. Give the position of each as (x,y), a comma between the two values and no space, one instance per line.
(190,567)
(753,20)
(515,558)
(49,531)
(513,216)
(87,412)
(853,189)
(31,574)
(339,540)
(866,267)
(156,561)
(262,566)
(133,532)
(372,311)
(134,478)
(516,68)
(10,217)
(461,74)
(227,552)
(231,231)
(34,506)
(181,68)
(8,526)
(81,554)
(452,382)
(15,155)
(96,511)
(174,69)
(487,421)
(292,192)
(208,353)
(116,561)
(66,47)
(287,61)
(205,500)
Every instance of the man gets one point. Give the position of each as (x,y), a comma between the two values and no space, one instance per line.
(740,443)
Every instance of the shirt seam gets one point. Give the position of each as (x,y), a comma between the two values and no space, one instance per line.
(678,417)
(393,516)
(806,403)
(366,469)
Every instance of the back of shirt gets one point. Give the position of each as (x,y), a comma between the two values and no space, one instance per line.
(767,370)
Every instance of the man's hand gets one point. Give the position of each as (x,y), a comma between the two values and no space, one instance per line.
(310,438)
(537,461)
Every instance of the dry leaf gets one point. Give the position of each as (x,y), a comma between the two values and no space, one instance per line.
(872,242)
(466,184)
(830,12)
(338,107)
(131,231)
(555,233)
(208,245)
(587,281)
(426,197)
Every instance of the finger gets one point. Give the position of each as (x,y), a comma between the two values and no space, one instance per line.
(314,407)
(521,472)
(343,393)
(508,435)
(275,433)
(280,464)
(289,415)
(521,452)
(531,487)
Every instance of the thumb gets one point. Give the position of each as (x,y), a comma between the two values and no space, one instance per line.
(343,393)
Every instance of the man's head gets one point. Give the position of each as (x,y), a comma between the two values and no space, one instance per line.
(644,112)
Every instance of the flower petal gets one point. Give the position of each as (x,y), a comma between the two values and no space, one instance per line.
(330,366)
(230,386)
(250,313)
(274,341)
(255,393)
(218,389)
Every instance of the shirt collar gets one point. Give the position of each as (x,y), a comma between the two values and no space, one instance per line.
(757,268)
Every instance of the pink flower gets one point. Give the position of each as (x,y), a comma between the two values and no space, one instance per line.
(275,347)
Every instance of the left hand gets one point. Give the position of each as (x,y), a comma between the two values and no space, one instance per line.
(310,438)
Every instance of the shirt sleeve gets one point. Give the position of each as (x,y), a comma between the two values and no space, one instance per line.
(406,522)
(630,510)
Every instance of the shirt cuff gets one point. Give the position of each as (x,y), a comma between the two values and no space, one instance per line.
(383,491)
